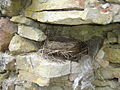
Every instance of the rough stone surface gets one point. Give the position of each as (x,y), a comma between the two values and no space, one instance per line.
(114,1)
(7,29)
(108,73)
(81,32)
(94,13)
(105,88)
(110,83)
(53,4)
(31,33)
(27,66)
(10,7)
(58,17)
(56,88)
(113,54)
(4,40)
(44,67)
(72,17)
(3,77)
(112,37)
(31,77)
(24,20)
(22,45)
(7,26)
(6,62)
(100,59)
(19,88)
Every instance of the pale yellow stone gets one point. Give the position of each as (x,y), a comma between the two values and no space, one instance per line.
(24,20)
(31,33)
(32,77)
(22,45)
(36,63)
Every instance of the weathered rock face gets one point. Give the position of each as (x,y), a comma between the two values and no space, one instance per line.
(111,83)
(31,33)
(24,20)
(113,1)
(72,17)
(113,53)
(45,67)
(81,32)
(108,73)
(32,77)
(53,5)
(37,55)
(4,40)
(22,45)
(63,13)
(7,62)
(3,77)
(40,69)
(7,29)
(7,26)
(11,8)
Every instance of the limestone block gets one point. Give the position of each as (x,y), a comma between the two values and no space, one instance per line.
(22,45)
(58,17)
(24,20)
(39,5)
(72,17)
(36,63)
(31,33)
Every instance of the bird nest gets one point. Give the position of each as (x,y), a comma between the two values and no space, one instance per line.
(64,48)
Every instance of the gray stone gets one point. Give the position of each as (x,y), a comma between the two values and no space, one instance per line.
(94,44)
(22,45)
(56,88)
(112,38)
(19,88)
(31,33)
(110,83)
(104,88)
(3,77)
(81,32)
(72,77)
(108,73)
(119,39)
(100,59)
(6,62)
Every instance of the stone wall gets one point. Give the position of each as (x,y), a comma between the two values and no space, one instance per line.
(59,45)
